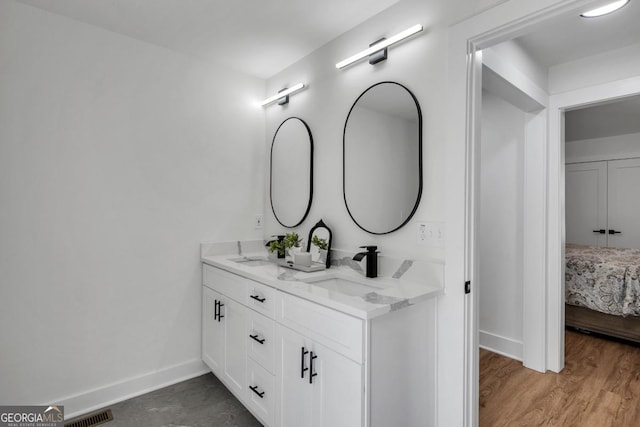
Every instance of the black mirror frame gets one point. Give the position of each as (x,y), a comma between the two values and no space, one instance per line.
(420,173)
(321,224)
(310,172)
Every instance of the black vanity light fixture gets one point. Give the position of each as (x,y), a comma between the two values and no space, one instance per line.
(605,10)
(377,51)
(282,97)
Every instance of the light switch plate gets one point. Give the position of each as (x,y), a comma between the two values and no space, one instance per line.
(430,234)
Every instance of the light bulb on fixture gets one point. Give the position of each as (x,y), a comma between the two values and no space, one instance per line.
(605,10)
(282,94)
(378,46)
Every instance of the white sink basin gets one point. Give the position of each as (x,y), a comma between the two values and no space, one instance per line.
(344,286)
(251,261)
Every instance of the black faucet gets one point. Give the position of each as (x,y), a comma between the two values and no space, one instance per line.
(372,260)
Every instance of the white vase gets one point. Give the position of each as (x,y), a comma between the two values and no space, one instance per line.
(292,251)
(323,256)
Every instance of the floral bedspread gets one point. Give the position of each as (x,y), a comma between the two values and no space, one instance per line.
(603,279)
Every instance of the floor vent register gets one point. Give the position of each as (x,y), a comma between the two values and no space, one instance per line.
(91,420)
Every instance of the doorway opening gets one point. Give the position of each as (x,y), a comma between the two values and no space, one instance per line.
(546,305)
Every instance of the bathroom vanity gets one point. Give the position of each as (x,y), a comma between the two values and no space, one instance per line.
(328,348)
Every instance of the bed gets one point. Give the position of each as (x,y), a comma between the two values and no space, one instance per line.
(602,290)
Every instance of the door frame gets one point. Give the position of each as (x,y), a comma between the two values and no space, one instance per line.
(500,23)
(558,104)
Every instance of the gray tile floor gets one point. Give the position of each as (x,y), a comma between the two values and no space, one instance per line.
(199,402)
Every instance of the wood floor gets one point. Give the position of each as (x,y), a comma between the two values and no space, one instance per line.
(599,386)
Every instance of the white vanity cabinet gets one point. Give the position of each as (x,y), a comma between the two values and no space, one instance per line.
(238,338)
(295,362)
(224,347)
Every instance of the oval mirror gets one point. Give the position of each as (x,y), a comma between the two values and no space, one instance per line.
(291,172)
(382,158)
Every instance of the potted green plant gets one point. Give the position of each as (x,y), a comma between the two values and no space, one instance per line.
(284,245)
(292,243)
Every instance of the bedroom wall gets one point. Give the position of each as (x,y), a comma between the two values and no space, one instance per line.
(500,226)
(513,99)
(609,148)
(117,158)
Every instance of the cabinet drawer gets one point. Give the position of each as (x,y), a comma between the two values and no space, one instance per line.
(260,395)
(261,298)
(338,331)
(226,283)
(261,339)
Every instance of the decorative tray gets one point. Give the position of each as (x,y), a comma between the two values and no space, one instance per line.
(315,266)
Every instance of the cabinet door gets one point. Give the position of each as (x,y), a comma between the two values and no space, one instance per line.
(338,389)
(624,203)
(212,332)
(293,388)
(235,345)
(586,203)
(333,397)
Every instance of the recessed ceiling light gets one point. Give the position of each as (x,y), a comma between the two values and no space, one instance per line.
(605,10)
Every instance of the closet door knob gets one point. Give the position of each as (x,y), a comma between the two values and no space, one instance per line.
(614,232)
(601,231)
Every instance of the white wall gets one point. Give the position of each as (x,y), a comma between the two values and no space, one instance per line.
(606,67)
(609,148)
(117,158)
(500,226)
(420,64)
(510,58)
(324,105)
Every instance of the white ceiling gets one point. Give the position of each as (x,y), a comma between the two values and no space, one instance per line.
(570,37)
(258,37)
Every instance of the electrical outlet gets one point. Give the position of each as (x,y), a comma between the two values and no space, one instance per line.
(259,220)
(422,233)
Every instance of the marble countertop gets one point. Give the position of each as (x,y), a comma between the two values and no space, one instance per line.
(387,293)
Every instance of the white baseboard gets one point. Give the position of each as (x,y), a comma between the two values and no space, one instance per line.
(109,394)
(502,345)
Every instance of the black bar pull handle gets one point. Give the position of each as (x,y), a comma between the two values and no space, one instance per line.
(311,373)
(254,388)
(303,353)
(215,309)
(220,315)
(601,231)
(614,232)
(256,338)
(257,298)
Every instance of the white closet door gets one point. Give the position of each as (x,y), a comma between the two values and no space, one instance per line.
(586,203)
(624,203)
